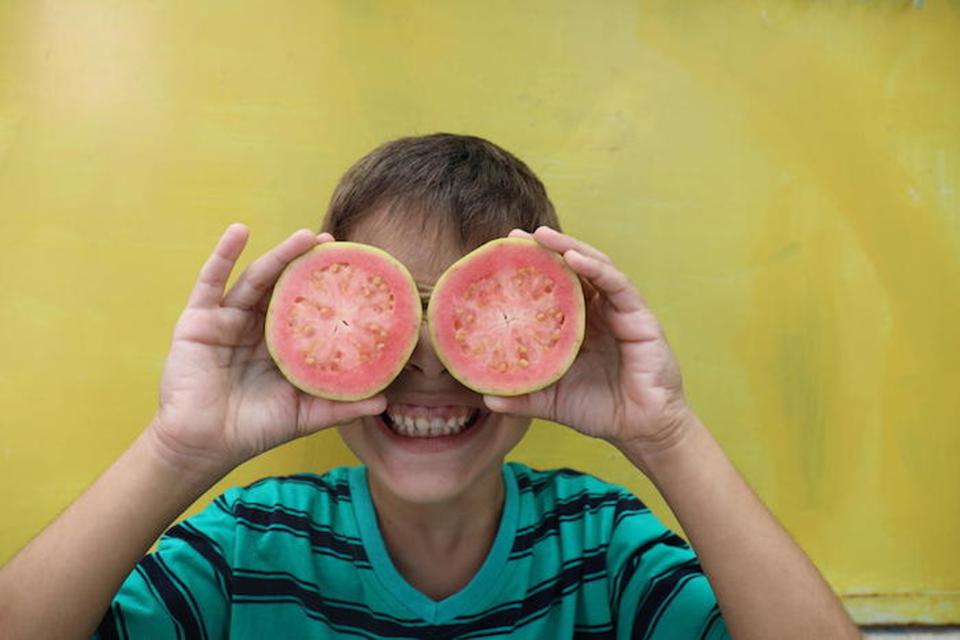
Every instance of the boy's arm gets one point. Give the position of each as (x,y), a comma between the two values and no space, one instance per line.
(625,387)
(61,583)
(765,585)
(222,401)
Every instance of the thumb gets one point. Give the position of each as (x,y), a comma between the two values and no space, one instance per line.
(320,413)
(531,405)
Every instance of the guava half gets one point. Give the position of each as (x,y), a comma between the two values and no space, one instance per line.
(508,318)
(343,320)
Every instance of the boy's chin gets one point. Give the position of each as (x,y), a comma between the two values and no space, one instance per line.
(429,476)
(430,484)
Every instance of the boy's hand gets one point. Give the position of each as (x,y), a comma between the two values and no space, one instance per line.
(222,398)
(625,385)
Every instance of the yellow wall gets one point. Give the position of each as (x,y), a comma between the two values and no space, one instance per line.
(780,178)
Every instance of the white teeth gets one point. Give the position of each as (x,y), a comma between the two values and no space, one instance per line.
(423,427)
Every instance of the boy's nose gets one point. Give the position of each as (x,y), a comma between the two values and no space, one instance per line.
(424,359)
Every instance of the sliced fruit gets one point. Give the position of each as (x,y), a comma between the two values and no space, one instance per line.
(508,318)
(343,320)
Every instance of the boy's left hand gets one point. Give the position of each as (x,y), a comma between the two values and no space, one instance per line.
(625,385)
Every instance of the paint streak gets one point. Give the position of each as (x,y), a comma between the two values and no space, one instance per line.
(853,146)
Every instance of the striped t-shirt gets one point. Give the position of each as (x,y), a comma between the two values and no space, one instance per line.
(302,556)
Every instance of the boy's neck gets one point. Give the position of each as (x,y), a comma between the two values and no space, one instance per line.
(438,547)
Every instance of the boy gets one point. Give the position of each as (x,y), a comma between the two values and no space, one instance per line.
(433,537)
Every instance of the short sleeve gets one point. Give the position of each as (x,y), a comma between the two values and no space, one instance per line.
(183,589)
(658,590)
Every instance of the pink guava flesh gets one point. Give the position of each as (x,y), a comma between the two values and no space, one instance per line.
(343,320)
(507,318)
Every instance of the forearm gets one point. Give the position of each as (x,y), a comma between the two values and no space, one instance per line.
(765,584)
(61,583)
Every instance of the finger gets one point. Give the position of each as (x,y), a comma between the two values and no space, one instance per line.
(257,281)
(590,292)
(318,413)
(561,243)
(610,281)
(519,233)
(531,405)
(325,236)
(208,290)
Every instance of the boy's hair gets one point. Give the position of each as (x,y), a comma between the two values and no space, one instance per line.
(444,182)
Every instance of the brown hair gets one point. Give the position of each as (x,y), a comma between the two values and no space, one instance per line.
(443,181)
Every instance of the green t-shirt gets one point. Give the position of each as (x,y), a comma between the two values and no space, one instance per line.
(302,556)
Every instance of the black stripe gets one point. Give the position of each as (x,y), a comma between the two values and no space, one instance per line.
(221,503)
(539,603)
(323,540)
(172,598)
(712,619)
(570,511)
(629,567)
(546,478)
(629,505)
(255,574)
(339,491)
(589,555)
(185,590)
(669,599)
(570,503)
(153,591)
(603,626)
(262,587)
(665,588)
(268,589)
(107,629)
(523,482)
(124,634)
(590,634)
(303,514)
(210,551)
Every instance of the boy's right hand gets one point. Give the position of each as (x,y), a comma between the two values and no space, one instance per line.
(222,398)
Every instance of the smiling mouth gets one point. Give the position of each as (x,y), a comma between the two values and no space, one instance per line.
(430,422)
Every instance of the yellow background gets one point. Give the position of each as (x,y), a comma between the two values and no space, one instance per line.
(780,178)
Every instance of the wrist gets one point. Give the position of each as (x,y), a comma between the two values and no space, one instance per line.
(669,442)
(168,456)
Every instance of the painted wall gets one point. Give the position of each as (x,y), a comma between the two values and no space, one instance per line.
(780,178)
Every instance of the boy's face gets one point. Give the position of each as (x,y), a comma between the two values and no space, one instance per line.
(428,469)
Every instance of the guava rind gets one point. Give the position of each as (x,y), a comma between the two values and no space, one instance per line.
(518,289)
(313,283)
